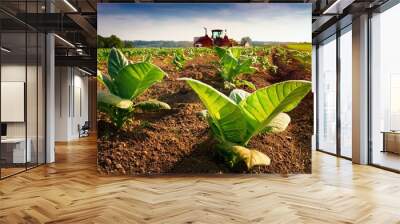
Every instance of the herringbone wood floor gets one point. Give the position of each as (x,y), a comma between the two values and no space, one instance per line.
(70,191)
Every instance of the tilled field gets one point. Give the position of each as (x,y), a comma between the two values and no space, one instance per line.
(179,141)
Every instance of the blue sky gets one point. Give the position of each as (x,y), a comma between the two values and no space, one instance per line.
(162,21)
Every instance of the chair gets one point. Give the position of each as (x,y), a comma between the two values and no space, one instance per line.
(84,130)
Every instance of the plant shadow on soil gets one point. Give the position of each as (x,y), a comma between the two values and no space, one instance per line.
(178,141)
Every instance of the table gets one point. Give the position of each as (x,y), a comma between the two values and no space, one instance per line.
(391,141)
(13,150)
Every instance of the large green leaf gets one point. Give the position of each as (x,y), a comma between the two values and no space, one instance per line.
(265,104)
(106,81)
(220,51)
(116,62)
(134,79)
(113,100)
(226,116)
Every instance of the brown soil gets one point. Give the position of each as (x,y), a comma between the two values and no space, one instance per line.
(179,141)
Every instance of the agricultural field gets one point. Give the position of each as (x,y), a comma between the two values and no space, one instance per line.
(173,122)
(305,47)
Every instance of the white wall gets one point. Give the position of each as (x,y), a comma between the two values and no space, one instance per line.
(12,73)
(62,81)
(33,127)
(71,94)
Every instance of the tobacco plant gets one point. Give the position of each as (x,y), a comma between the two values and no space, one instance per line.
(179,59)
(234,120)
(148,58)
(266,64)
(232,64)
(125,82)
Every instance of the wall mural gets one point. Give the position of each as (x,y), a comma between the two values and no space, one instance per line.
(204,88)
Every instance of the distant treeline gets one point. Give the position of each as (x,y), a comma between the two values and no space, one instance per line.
(114,41)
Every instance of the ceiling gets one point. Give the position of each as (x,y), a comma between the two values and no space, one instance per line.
(74,22)
(332,15)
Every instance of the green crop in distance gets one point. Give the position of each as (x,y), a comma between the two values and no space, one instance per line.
(125,82)
(234,120)
(307,47)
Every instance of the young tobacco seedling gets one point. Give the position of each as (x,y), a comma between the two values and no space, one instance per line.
(234,120)
(125,82)
(179,59)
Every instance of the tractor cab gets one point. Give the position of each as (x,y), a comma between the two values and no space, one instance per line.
(215,34)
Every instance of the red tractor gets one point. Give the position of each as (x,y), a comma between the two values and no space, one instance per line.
(215,40)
